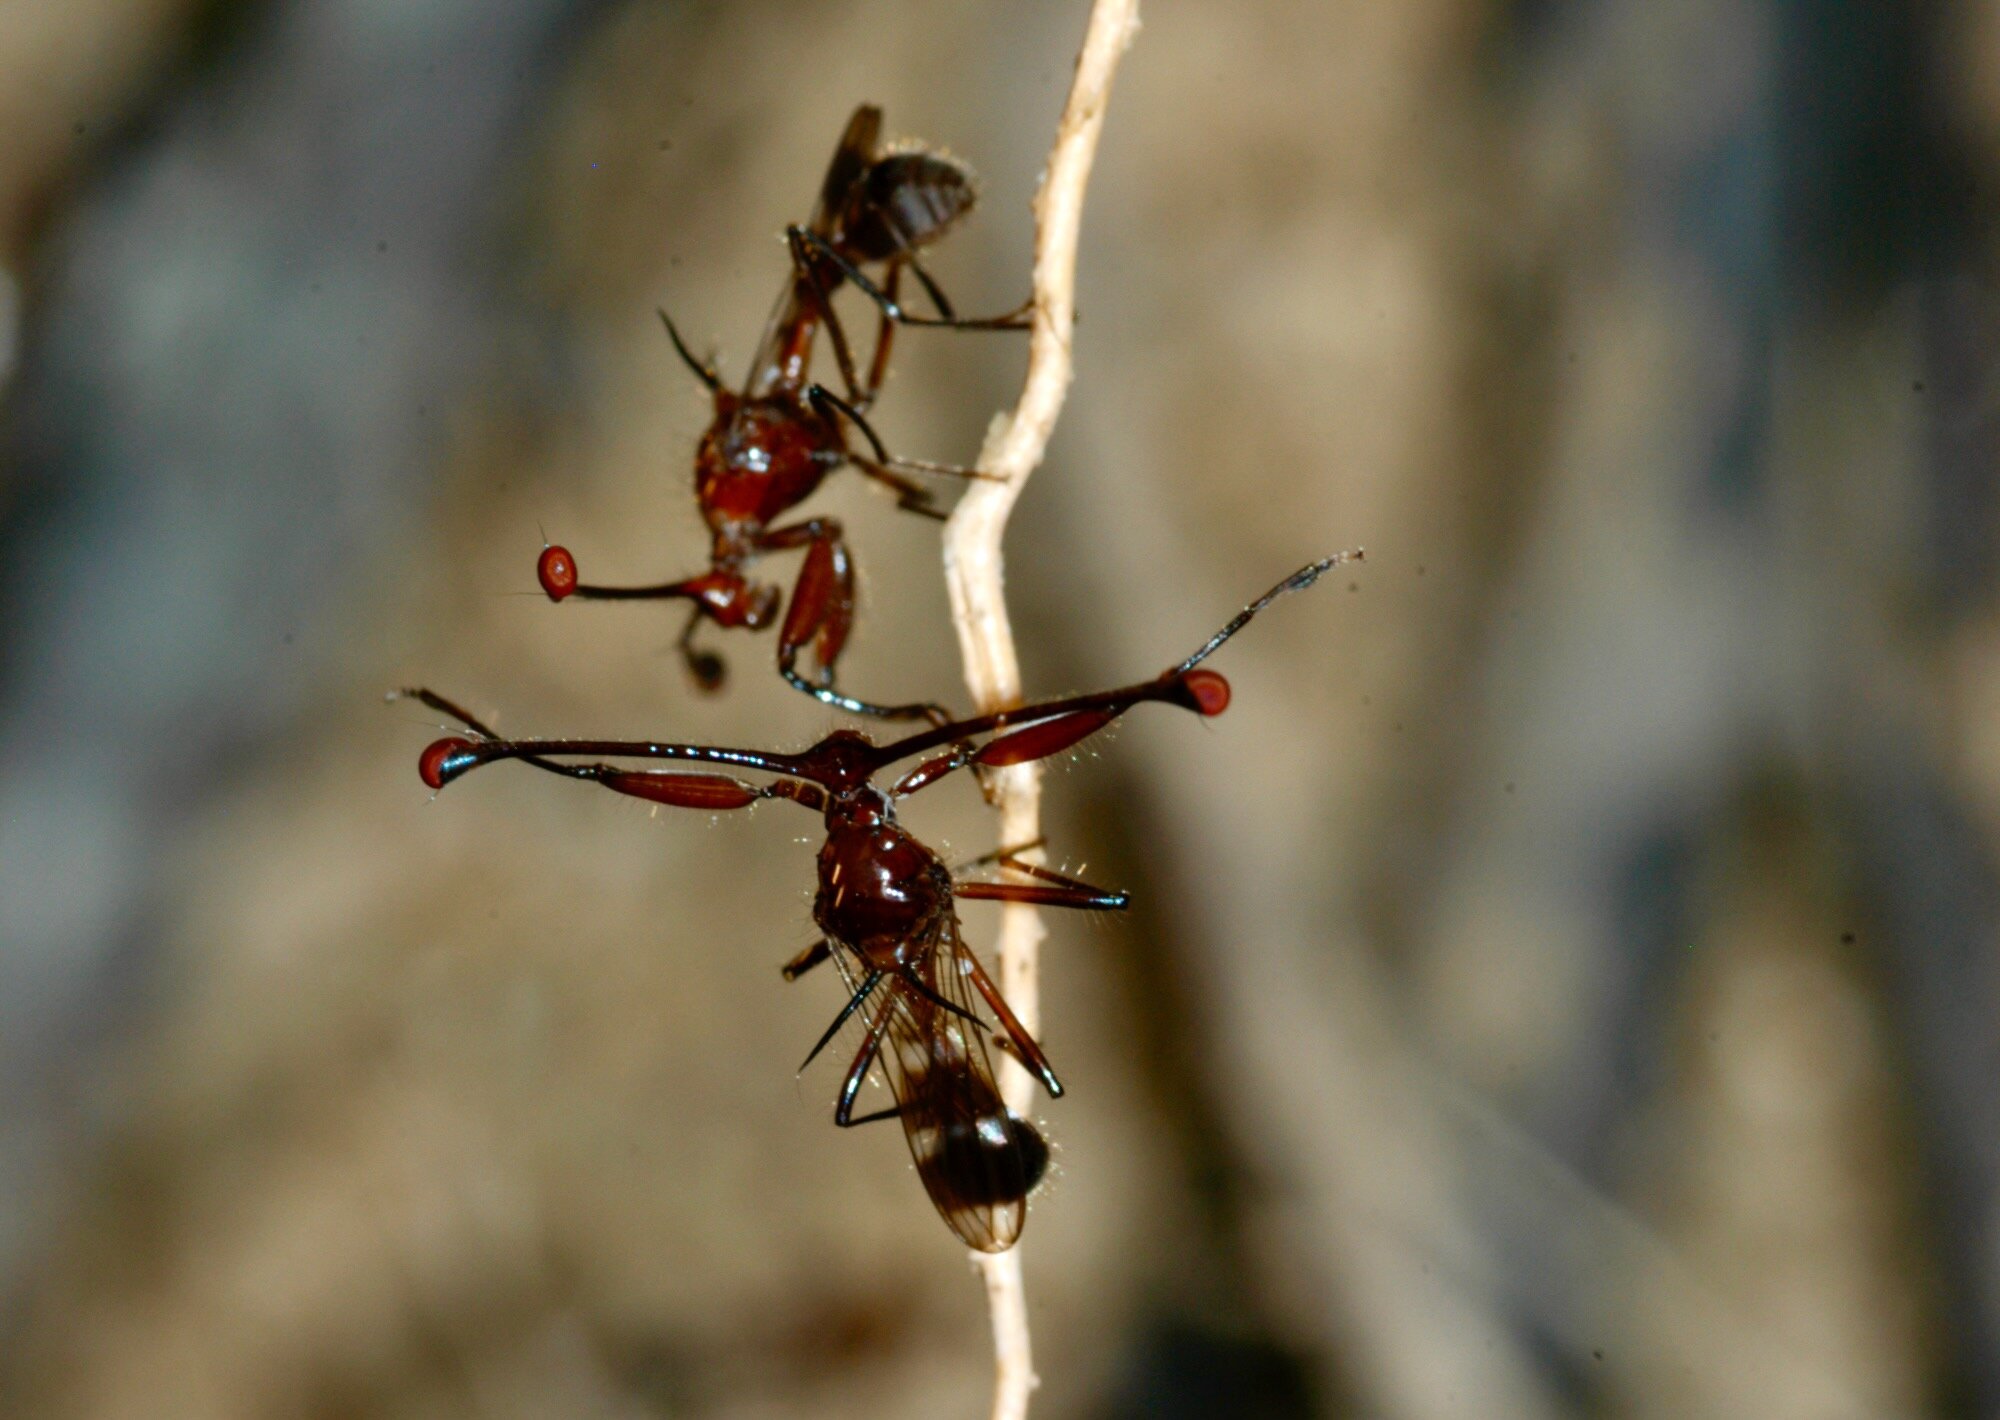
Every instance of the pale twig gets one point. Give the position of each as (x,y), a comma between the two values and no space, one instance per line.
(975,576)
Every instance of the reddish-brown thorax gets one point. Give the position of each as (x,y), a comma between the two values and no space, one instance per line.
(760,458)
(880,890)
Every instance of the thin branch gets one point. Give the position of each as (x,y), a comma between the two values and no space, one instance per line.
(975,576)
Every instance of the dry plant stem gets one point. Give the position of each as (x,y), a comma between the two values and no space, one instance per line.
(975,576)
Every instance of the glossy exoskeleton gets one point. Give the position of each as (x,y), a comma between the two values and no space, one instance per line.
(769,446)
(886,906)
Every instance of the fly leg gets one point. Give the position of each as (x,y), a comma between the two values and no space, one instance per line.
(1054,890)
(808,246)
(885,335)
(854,1003)
(813,287)
(822,613)
(857,1073)
(1020,1043)
(879,464)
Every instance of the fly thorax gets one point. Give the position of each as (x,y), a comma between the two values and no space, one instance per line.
(882,893)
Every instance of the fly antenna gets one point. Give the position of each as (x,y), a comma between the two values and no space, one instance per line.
(1297,582)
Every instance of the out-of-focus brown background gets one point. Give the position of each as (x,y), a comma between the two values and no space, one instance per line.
(1564,984)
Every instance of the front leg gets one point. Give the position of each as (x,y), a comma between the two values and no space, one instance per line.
(821,614)
(884,467)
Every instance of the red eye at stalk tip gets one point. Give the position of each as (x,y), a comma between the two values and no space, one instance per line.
(557,571)
(1210,691)
(431,763)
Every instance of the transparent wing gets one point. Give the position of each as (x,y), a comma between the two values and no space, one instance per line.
(976,1159)
(797,312)
(851,157)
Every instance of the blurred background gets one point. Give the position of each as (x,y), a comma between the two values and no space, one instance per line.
(1564,984)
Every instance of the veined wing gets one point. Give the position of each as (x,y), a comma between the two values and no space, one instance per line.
(851,157)
(978,1160)
(784,351)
